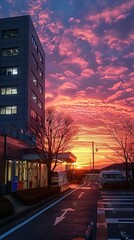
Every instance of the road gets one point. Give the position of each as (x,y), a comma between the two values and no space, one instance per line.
(67,218)
(118,207)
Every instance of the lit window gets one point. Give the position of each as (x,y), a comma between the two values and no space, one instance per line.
(40,73)
(11,33)
(40,57)
(9,52)
(40,104)
(34,97)
(8,110)
(35,81)
(9,71)
(40,89)
(8,90)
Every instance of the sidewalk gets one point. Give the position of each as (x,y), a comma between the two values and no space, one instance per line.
(21,209)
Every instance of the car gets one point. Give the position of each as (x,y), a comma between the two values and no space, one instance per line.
(111,177)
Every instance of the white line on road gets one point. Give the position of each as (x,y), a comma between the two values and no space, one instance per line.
(120,220)
(117,209)
(36,215)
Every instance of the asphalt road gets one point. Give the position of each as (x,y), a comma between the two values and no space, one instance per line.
(67,218)
(119,213)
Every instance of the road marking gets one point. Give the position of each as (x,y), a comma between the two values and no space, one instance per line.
(59,219)
(120,203)
(118,199)
(81,194)
(116,209)
(37,214)
(120,220)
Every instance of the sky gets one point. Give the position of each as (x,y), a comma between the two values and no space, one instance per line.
(89,47)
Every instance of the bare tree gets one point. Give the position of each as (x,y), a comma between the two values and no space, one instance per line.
(121,131)
(53,138)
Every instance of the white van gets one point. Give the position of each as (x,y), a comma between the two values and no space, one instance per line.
(108,177)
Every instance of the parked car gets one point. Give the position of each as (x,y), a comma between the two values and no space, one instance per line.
(111,177)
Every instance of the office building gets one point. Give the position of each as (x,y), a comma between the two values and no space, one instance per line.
(22,74)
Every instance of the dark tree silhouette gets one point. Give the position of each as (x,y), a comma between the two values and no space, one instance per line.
(53,137)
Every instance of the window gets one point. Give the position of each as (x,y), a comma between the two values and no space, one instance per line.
(34,97)
(33,114)
(8,90)
(11,33)
(40,89)
(9,71)
(40,73)
(34,62)
(40,104)
(40,57)
(34,44)
(8,110)
(34,79)
(9,52)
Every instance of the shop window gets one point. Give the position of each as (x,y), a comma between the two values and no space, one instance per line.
(11,33)
(9,52)
(9,71)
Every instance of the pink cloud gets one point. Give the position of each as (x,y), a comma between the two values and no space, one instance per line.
(85,33)
(66,47)
(115,86)
(68,85)
(112,72)
(112,15)
(86,73)
(55,27)
(44,17)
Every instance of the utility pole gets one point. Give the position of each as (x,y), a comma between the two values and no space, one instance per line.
(93,155)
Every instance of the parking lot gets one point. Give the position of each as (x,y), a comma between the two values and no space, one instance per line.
(118,207)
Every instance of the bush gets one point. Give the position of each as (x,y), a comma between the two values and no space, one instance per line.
(34,195)
(6,208)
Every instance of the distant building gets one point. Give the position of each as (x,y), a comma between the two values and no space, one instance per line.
(22,74)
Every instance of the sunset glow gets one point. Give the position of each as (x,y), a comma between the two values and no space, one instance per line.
(89,47)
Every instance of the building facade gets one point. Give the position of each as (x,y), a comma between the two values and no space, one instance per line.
(22,74)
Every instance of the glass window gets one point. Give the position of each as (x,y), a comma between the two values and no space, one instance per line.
(34,44)
(8,110)
(8,90)
(2,110)
(40,89)
(33,114)
(40,73)
(11,33)
(34,97)
(34,79)
(9,71)
(9,52)
(34,62)
(40,104)
(2,91)
(40,57)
